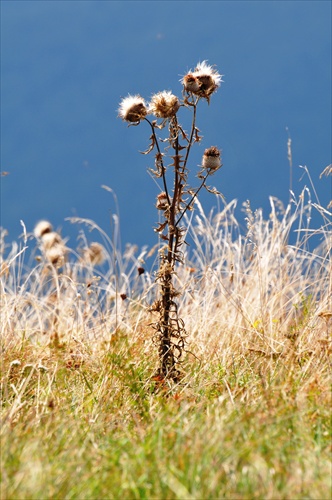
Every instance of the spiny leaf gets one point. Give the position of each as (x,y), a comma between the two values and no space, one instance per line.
(198,137)
(151,146)
(161,227)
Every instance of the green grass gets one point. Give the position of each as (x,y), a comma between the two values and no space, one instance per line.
(83,416)
(106,429)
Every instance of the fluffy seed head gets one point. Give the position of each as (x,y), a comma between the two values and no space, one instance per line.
(94,254)
(50,239)
(41,228)
(205,70)
(203,81)
(164,104)
(211,158)
(56,255)
(190,83)
(132,109)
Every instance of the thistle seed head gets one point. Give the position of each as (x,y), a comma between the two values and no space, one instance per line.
(203,81)
(132,109)
(56,255)
(94,254)
(190,83)
(211,158)
(164,104)
(42,227)
(50,239)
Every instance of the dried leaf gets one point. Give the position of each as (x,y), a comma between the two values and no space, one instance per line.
(151,146)
(198,137)
(212,190)
(161,227)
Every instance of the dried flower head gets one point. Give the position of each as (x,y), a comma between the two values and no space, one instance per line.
(41,228)
(56,255)
(94,254)
(52,245)
(164,104)
(203,81)
(133,109)
(50,239)
(190,83)
(211,158)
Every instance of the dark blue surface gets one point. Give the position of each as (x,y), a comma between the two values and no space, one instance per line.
(66,65)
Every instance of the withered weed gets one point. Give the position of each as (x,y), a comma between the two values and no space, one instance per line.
(176,197)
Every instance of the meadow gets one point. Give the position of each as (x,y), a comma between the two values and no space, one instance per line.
(85,414)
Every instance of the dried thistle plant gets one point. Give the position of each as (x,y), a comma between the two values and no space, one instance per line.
(52,245)
(176,196)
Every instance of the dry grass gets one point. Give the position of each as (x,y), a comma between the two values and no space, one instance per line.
(82,415)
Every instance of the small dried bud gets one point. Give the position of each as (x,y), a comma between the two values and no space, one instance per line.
(140,270)
(164,104)
(123,296)
(162,201)
(43,227)
(133,109)
(211,158)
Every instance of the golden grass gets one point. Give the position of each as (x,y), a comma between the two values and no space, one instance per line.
(82,414)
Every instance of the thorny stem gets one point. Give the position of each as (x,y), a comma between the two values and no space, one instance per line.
(193,126)
(161,159)
(170,326)
(176,190)
(192,199)
(167,355)
(200,84)
(190,143)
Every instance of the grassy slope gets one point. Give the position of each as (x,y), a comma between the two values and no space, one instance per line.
(83,416)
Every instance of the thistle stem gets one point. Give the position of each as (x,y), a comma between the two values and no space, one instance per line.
(193,126)
(163,169)
(168,360)
(191,201)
